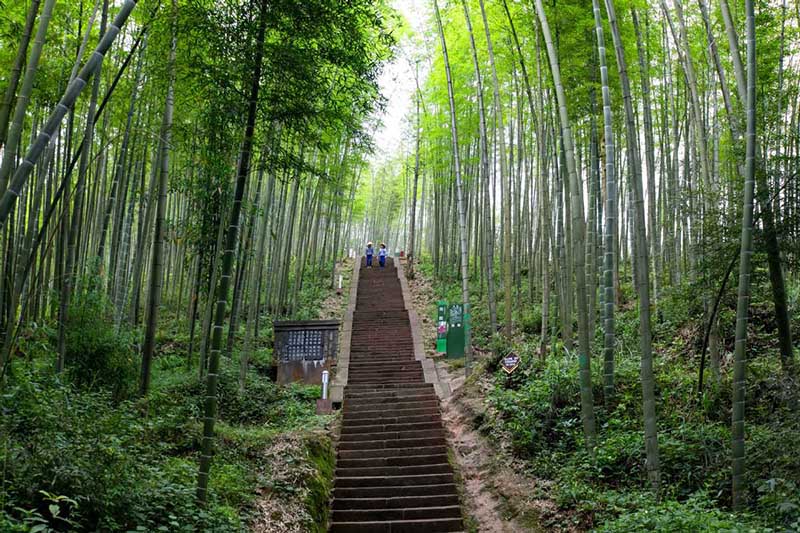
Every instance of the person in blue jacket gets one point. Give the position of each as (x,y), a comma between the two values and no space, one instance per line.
(382,255)
(370,252)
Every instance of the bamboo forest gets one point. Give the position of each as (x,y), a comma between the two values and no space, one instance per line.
(399,266)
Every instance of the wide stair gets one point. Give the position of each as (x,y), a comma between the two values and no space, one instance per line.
(392,471)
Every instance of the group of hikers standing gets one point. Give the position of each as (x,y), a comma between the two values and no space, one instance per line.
(382,253)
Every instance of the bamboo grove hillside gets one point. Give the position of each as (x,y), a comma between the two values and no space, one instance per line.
(173,174)
(611,187)
(617,182)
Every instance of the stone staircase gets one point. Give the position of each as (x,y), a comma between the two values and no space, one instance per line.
(392,470)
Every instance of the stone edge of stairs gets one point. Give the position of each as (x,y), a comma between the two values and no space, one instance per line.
(339,381)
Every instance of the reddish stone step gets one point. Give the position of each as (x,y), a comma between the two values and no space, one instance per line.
(411,419)
(389,406)
(415,394)
(392,452)
(427,410)
(409,502)
(393,461)
(407,513)
(351,429)
(443,489)
(398,481)
(392,435)
(393,471)
(384,444)
(385,391)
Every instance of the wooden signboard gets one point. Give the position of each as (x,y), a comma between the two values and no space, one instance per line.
(510,363)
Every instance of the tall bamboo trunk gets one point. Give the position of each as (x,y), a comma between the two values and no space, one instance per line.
(462,222)
(610,235)
(157,259)
(738,486)
(579,232)
(210,407)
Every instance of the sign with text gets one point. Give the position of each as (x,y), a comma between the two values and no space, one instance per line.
(441,327)
(510,363)
(455,331)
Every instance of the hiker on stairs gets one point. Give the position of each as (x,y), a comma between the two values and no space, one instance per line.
(370,252)
(382,255)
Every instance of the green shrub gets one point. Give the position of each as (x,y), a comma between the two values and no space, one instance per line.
(97,355)
(780,499)
(78,446)
(696,514)
(262,402)
(531,321)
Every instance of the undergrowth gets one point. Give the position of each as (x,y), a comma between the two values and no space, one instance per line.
(537,409)
(80,452)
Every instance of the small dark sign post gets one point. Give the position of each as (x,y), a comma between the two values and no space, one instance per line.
(303,349)
(441,327)
(455,331)
(510,363)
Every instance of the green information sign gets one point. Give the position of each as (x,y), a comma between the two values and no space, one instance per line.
(441,327)
(455,331)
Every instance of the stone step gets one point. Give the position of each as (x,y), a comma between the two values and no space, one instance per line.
(442,489)
(392,435)
(398,502)
(366,373)
(389,400)
(386,444)
(393,471)
(426,410)
(395,481)
(394,514)
(392,453)
(388,386)
(410,460)
(410,376)
(383,391)
(395,368)
(388,407)
(378,428)
(440,525)
(395,355)
(355,422)
(394,394)
(367,368)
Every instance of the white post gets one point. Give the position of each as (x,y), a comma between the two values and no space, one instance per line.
(325,376)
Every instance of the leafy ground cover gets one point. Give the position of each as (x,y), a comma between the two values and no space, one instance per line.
(83,453)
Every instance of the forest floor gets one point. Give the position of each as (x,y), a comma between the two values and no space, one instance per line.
(518,444)
(498,496)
